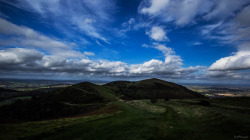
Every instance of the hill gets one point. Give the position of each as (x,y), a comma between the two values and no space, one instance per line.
(80,98)
(151,88)
(93,112)
(5,93)
(87,97)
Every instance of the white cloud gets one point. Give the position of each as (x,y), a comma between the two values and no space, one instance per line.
(157,33)
(88,53)
(20,60)
(87,26)
(197,43)
(26,37)
(151,66)
(241,60)
(171,67)
(18,56)
(127,26)
(30,60)
(145,45)
(156,6)
(223,8)
(165,50)
(88,17)
(240,28)
(224,29)
(183,12)
(131,21)
(169,53)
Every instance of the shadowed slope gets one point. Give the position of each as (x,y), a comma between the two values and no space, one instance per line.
(77,99)
(151,88)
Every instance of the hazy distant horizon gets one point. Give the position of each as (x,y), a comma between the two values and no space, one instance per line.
(96,81)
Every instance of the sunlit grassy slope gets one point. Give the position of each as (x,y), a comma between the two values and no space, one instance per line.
(140,119)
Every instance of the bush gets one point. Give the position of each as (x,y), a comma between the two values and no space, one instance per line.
(204,103)
(153,100)
(166,99)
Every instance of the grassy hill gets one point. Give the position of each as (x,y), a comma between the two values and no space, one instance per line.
(76,99)
(151,88)
(85,97)
(93,112)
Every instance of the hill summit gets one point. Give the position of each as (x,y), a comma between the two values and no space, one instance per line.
(151,88)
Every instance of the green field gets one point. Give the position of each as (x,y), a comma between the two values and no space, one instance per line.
(226,118)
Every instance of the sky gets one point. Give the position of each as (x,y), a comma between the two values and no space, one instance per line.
(191,41)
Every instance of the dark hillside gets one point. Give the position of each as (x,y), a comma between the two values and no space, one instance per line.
(152,88)
(80,98)
(6,93)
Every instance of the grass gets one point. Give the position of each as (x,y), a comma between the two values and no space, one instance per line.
(140,119)
(2,103)
(31,129)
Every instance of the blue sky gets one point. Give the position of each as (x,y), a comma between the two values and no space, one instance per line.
(175,40)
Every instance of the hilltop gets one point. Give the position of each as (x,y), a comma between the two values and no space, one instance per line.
(151,88)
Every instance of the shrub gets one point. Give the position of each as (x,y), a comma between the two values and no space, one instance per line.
(204,103)
(153,100)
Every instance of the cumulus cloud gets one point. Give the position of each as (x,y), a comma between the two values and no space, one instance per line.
(30,60)
(169,53)
(170,67)
(157,33)
(21,60)
(241,60)
(14,56)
